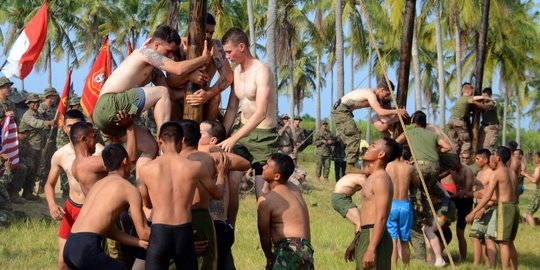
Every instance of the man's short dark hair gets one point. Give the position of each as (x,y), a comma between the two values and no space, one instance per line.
(210,19)
(235,36)
(419,118)
(192,132)
(504,153)
(216,130)
(78,130)
(406,154)
(167,34)
(512,145)
(465,84)
(171,132)
(381,83)
(488,91)
(520,151)
(284,164)
(74,114)
(393,149)
(484,152)
(113,155)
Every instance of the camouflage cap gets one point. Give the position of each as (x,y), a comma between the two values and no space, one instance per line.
(285,116)
(50,91)
(4,81)
(32,98)
(74,101)
(15,96)
(298,118)
(324,122)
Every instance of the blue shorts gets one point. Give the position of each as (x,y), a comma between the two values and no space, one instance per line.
(400,220)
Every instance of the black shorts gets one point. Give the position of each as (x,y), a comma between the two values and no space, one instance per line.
(83,251)
(171,241)
(225,240)
(463,207)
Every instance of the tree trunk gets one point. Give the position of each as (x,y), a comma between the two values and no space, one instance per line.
(440,66)
(291,86)
(416,70)
(318,93)
(370,74)
(352,69)
(271,44)
(172,12)
(49,64)
(518,125)
(457,43)
(405,54)
(505,112)
(331,98)
(22,87)
(196,36)
(339,49)
(252,41)
(479,74)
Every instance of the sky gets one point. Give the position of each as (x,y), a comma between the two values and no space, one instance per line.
(37,81)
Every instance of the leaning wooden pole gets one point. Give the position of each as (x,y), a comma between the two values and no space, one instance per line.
(405,57)
(480,60)
(196,36)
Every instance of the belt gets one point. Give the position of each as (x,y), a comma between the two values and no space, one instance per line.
(490,124)
(338,102)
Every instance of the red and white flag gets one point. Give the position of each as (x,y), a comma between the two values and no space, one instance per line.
(100,72)
(62,105)
(28,46)
(10,142)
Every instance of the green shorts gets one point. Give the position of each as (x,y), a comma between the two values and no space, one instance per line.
(108,106)
(534,203)
(342,203)
(383,252)
(504,223)
(204,225)
(480,226)
(258,145)
(293,253)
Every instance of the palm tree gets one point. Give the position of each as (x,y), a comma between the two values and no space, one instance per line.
(339,48)
(440,65)
(271,41)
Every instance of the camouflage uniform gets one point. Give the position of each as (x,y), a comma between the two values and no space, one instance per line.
(347,128)
(293,253)
(298,138)
(489,131)
(6,106)
(323,152)
(48,113)
(458,125)
(6,215)
(286,141)
(534,204)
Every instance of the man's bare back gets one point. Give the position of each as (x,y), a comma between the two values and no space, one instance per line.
(87,171)
(402,175)
(350,184)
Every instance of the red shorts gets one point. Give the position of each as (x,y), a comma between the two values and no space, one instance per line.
(72,210)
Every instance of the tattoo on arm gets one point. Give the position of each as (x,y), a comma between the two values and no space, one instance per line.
(154,58)
(218,62)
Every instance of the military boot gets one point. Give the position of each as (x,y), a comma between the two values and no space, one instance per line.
(15,198)
(352,169)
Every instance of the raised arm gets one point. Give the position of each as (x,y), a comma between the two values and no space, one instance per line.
(374,104)
(181,68)
(535,177)
(444,145)
(56,211)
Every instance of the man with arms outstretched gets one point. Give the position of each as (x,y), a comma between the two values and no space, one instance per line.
(504,222)
(283,219)
(535,179)
(344,118)
(110,196)
(124,90)
(62,160)
(254,90)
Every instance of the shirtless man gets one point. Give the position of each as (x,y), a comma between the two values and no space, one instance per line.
(256,137)
(343,116)
(168,189)
(61,161)
(503,184)
(212,133)
(342,201)
(211,98)
(124,91)
(535,179)
(516,163)
(110,196)
(463,199)
(483,245)
(399,223)
(86,168)
(283,219)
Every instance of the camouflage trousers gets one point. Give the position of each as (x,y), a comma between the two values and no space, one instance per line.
(19,177)
(293,253)
(32,175)
(323,164)
(489,136)
(458,131)
(534,204)
(346,127)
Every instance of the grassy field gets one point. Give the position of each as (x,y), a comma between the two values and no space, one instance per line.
(32,244)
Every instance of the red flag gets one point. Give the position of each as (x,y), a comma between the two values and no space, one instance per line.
(101,70)
(10,142)
(129,48)
(28,46)
(62,105)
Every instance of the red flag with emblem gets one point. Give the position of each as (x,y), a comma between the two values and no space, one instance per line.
(101,70)
(62,105)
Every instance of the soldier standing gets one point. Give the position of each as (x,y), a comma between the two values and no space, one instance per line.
(298,137)
(489,131)
(35,122)
(339,157)
(75,103)
(323,140)
(6,214)
(7,108)
(286,141)
(48,111)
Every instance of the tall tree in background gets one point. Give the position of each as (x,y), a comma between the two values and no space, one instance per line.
(440,64)
(271,42)
(338,7)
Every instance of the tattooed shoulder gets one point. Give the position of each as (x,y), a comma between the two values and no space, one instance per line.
(153,57)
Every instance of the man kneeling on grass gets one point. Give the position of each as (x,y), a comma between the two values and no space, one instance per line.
(105,201)
(283,218)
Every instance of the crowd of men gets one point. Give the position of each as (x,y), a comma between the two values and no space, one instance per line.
(183,200)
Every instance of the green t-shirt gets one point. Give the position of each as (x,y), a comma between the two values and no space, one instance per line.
(424,144)
(489,116)
(461,107)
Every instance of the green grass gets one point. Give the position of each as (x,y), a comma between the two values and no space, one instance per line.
(32,244)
